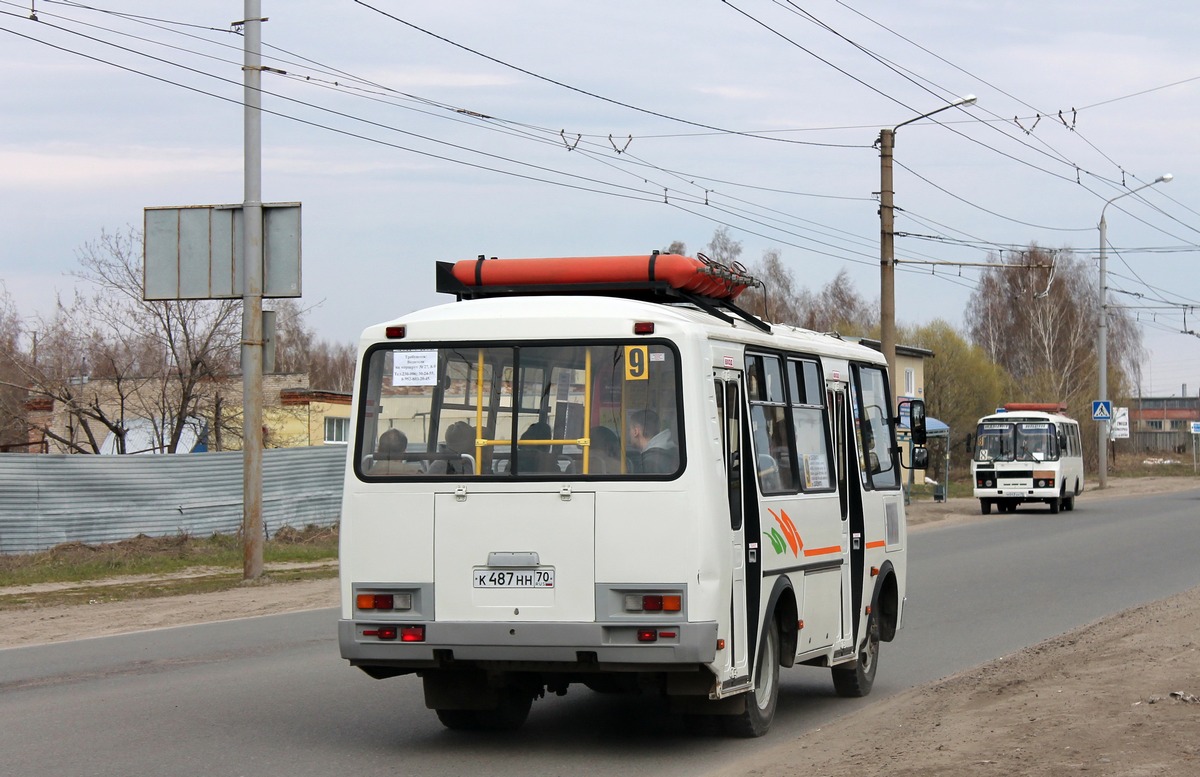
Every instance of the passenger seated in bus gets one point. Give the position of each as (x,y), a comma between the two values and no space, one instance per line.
(389,455)
(658,452)
(536,458)
(605,456)
(460,439)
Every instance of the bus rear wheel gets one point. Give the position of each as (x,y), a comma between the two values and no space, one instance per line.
(508,715)
(855,679)
(985,506)
(756,719)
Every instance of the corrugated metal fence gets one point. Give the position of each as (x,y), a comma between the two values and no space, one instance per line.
(49,499)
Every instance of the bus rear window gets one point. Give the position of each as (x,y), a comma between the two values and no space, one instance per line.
(585,410)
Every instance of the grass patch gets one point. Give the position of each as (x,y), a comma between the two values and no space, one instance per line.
(76,562)
(96,593)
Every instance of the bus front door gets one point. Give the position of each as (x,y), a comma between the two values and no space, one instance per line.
(849,487)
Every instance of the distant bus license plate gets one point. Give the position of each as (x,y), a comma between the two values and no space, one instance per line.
(512,578)
(1014,493)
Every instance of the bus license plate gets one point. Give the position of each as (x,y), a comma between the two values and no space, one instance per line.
(483,577)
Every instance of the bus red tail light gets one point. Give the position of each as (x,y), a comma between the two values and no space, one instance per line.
(647,635)
(412,633)
(382,632)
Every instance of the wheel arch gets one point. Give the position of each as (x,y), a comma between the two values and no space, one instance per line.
(885,601)
(782,607)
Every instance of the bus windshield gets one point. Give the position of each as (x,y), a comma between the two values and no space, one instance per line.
(589,410)
(1023,441)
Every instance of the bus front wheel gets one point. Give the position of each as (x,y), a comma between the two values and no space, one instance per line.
(985,506)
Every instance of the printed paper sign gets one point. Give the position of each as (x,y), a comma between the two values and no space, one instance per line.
(414,368)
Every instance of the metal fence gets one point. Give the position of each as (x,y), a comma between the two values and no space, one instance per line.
(49,499)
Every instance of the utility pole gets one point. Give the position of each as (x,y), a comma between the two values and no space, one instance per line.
(887,236)
(887,252)
(252,291)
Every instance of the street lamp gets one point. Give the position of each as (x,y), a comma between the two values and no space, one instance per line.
(1102,338)
(887,242)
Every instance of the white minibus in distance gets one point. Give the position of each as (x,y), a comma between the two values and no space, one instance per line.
(1027,452)
(601,472)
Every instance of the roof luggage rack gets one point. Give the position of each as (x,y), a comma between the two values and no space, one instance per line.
(662,278)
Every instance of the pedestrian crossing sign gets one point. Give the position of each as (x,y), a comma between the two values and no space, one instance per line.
(1102,410)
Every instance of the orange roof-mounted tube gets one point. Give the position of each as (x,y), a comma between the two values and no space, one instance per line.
(703,278)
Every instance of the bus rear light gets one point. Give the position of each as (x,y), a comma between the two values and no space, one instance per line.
(377,602)
(394,332)
(647,635)
(412,633)
(643,328)
(654,603)
(383,632)
(667,634)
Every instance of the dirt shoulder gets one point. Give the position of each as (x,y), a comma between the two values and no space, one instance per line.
(1118,697)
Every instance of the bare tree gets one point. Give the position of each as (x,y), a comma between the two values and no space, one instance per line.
(723,247)
(110,356)
(12,363)
(1035,314)
(838,307)
(776,300)
(330,366)
(676,247)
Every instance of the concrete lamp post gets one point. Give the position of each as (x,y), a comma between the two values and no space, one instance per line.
(1102,337)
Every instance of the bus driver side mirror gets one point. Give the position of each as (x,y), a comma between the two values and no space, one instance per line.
(917,430)
(916,419)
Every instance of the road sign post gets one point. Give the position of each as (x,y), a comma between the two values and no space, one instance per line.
(1195,440)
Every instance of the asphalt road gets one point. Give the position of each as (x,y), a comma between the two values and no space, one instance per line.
(270,696)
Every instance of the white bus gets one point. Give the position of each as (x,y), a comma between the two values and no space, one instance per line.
(548,484)
(1027,452)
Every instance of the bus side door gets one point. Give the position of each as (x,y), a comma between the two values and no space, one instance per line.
(729,410)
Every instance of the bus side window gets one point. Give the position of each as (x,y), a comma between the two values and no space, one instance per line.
(874,428)
(769,425)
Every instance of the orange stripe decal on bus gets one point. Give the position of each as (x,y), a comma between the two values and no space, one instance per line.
(822,551)
(876,544)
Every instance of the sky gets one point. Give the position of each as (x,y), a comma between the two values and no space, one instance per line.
(420,132)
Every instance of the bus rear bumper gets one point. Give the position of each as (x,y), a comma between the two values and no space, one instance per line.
(589,644)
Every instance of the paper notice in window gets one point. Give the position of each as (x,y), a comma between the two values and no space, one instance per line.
(414,368)
(816,471)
